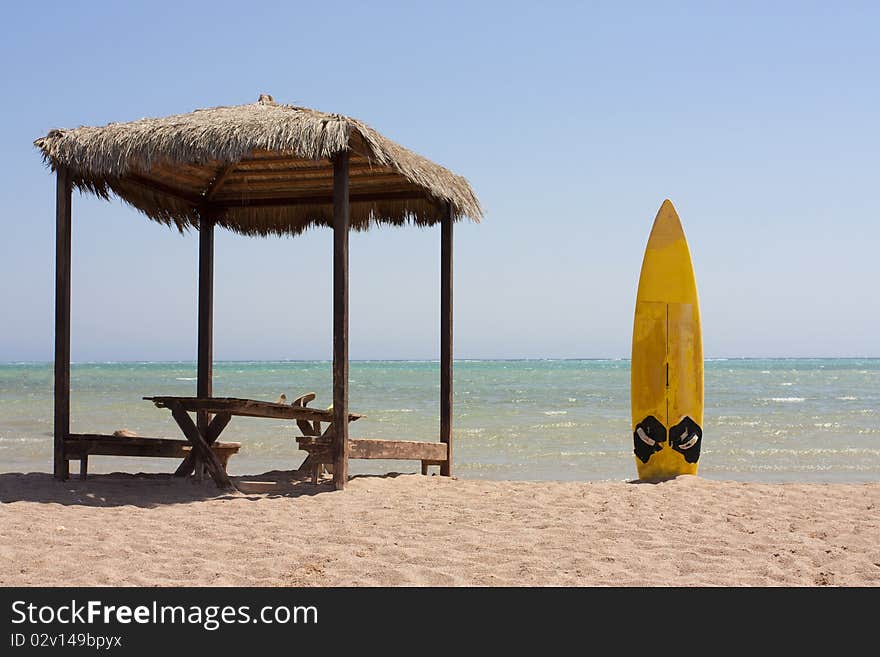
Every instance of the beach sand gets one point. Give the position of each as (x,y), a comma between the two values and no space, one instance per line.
(413,530)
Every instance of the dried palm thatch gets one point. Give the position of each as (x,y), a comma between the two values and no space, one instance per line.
(257,169)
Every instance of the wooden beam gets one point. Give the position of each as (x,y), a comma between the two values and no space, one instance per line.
(62,321)
(313,199)
(446,337)
(365,448)
(341,210)
(180,194)
(205,349)
(322,199)
(218,181)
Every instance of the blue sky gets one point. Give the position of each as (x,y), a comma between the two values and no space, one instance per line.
(572,121)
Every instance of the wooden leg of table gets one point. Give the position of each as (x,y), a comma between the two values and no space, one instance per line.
(184,421)
(215,428)
(84,466)
(424,467)
(306,465)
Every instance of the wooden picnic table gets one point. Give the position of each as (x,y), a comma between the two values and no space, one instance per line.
(223,408)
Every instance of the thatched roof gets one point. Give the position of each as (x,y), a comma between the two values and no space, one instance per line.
(262,168)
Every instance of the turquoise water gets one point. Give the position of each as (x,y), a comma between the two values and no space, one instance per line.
(804,420)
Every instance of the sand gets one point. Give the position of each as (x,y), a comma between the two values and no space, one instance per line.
(413,530)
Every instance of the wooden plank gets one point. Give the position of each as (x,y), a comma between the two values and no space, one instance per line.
(79,445)
(341,217)
(205,349)
(249,408)
(365,448)
(446,337)
(62,321)
(204,452)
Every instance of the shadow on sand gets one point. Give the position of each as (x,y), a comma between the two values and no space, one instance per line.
(150,490)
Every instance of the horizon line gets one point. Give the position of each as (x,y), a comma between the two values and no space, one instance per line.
(427,360)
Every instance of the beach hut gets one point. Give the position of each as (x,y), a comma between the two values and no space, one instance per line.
(257,169)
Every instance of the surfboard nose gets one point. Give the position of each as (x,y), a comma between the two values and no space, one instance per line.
(667,227)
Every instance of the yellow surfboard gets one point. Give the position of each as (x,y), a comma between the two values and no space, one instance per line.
(667,356)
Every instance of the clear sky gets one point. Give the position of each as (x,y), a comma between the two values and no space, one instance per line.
(572,121)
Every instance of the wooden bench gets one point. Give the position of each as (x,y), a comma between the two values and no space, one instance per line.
(320,446)
(80,446)
(320,451)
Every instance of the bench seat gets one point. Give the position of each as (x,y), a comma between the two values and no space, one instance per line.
(80,446)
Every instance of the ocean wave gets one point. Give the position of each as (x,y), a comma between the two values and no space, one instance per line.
(790,400)
(555,412)
(556,425)
(185,378)
(847,398)
(813,451)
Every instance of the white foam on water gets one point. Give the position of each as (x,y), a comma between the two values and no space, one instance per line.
(813,451)
(556,425)
(787,400)
(555,412)
(185,378)
(847,398)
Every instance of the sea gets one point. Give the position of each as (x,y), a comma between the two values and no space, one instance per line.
(805,420)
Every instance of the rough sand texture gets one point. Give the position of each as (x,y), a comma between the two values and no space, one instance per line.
(411,530)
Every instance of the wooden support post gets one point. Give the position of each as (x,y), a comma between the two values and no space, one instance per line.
(205,371)
(84,466)
(446,337)
(340,318)
(62,321)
